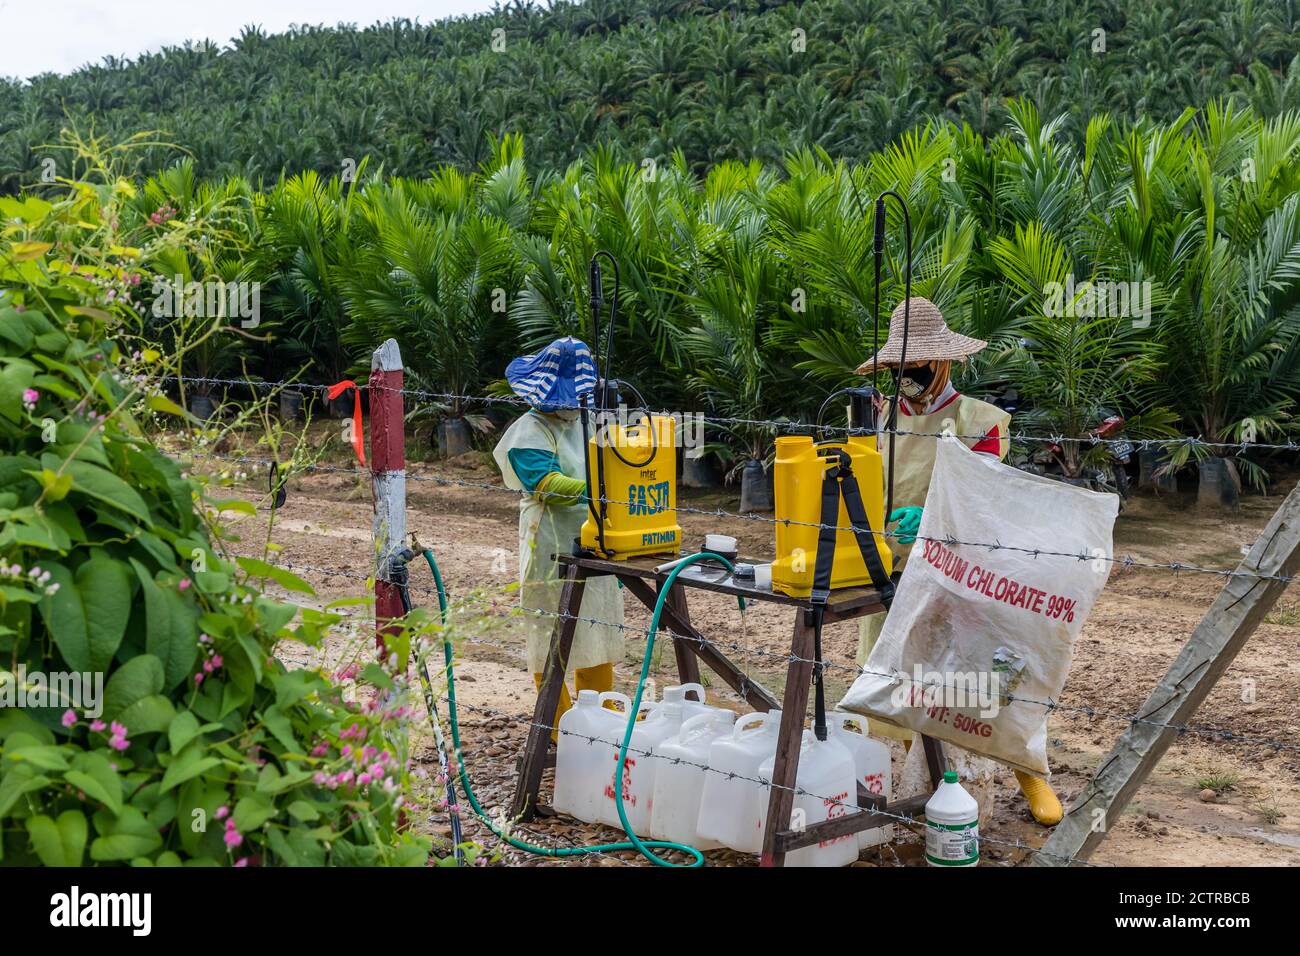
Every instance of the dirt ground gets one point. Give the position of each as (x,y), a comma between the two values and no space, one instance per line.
(1137,627)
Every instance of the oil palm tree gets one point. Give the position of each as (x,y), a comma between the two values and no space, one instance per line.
(437,282)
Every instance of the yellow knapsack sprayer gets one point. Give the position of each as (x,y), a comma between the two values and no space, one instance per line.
(856,474)
(631,469)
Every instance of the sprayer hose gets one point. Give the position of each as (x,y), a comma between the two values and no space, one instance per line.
(645,847)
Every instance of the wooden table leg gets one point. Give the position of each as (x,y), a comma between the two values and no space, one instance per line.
(785,771)
(524,805)
(934,758)
(688,665)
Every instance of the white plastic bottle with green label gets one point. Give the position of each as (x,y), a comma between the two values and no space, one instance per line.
(952,825)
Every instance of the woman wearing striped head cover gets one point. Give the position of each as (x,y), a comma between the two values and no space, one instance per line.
(542,456)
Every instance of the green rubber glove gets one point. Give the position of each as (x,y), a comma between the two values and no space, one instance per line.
(909,520)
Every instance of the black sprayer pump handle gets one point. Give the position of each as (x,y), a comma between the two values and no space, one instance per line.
(597,299)
(880,226)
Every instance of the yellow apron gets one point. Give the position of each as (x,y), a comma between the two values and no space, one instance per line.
(914,462)
(549,529)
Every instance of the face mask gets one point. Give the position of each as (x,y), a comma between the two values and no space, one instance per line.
(566,414)
(913,382)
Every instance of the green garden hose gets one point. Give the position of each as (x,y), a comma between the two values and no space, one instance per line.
(645,847)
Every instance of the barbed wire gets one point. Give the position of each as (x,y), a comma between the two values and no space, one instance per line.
(790,658)
(1125,561)
(798,791)
(792,426)
(785,659)
(570,841)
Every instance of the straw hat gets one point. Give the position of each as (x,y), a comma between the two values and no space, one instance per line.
(928,338)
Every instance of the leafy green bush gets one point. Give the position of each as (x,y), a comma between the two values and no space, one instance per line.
(112,565)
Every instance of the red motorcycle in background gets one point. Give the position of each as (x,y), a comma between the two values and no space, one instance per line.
(1107,472)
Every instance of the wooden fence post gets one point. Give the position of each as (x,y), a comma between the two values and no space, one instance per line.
(1226,626)
(388,472)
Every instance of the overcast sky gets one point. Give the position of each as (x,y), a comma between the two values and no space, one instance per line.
(61,35)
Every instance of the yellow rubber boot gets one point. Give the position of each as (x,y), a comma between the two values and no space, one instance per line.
(565,703)
(599,678)
(1043,803)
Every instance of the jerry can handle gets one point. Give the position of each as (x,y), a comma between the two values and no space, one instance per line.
(616,696)
(843,720)
(698,688)
(693,724)
(755,719)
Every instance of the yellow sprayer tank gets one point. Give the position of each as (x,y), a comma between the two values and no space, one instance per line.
(641,497)
(798,488)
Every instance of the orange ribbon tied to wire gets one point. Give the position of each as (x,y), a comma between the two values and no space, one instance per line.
(358,435)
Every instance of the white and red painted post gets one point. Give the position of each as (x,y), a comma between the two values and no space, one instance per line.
(388,471)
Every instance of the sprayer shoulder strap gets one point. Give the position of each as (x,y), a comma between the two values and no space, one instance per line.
(866,538)
(839,481)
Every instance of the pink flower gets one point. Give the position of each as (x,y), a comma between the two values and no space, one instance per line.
(198,679)
(97,725)
(217,661)
(242,861)
(69,718)
(31,396)
(377,771)
(320,750)
(118,729)
(207,667)
(347,750)
(223,811)
(320,778)
(118,743)
(363,780)
(183,585)
(233,837)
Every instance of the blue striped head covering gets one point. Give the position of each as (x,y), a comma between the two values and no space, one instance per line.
(555,378)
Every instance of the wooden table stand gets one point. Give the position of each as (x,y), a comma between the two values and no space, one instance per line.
(690,650)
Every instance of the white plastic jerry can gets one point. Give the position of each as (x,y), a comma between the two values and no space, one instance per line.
(681,764)
(664,720)
(580,760)
(871,763)
(612,726)
(733,809)
(952,825)
(828,781)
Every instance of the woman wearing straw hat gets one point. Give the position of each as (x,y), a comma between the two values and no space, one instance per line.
(930,405)
(542,456)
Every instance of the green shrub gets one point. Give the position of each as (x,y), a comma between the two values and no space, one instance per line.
(208,750)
